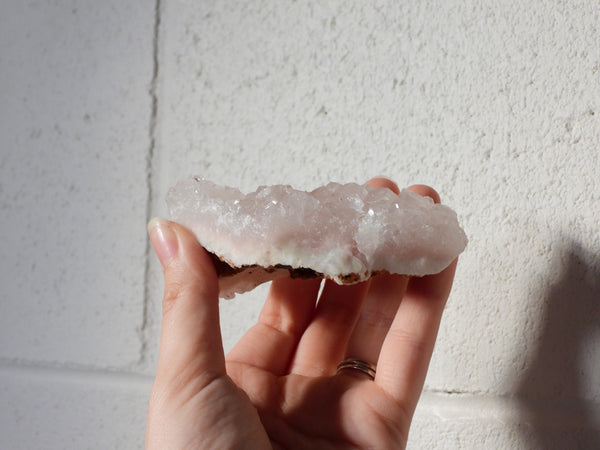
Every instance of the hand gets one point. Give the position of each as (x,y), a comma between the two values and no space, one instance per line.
(278,387)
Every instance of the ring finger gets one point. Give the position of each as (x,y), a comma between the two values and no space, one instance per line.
(382,302)
(325,340)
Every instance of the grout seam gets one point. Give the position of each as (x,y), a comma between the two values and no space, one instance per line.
(150,183)
(20,369)
(566,413)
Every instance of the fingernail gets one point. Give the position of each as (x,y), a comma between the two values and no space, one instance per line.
(385,177)
(163,240)
(387,182)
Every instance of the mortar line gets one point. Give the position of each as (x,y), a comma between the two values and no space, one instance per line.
(570,413)
(150,182)
(71,373)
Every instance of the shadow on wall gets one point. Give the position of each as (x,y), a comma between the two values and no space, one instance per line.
(562,379)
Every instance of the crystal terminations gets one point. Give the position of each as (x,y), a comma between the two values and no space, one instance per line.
(344,232)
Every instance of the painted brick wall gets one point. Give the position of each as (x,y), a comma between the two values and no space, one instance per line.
(104,105)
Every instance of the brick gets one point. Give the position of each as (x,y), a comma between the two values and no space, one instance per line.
(49,408)
(450,421)
(74,132)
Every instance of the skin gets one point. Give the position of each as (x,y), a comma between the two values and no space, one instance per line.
(278,387)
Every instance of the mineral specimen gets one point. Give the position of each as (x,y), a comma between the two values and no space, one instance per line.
(343,232)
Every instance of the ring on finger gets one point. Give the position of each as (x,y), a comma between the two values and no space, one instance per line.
(358,364)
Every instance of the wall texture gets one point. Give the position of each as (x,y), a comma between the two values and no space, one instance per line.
(104,105)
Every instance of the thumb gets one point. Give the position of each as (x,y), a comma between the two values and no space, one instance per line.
(191,347)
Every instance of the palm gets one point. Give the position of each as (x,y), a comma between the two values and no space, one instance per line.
(326,412)
(287,362)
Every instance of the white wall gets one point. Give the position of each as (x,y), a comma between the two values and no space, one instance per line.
(104,105)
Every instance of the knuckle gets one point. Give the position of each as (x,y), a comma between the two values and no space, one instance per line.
(173,291)
(181,283)
(411,342)
(376,319)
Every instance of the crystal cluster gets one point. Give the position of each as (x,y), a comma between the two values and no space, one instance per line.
(344,232)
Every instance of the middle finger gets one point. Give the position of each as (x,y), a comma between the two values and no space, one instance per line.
(324,342)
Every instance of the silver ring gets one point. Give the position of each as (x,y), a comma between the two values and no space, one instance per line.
(358,364)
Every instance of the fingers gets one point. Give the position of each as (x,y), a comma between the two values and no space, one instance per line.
(271,343)
(408,346)
(425,191)
(324,342)
(190,343)
(379,183)
(380,306)
(332,333)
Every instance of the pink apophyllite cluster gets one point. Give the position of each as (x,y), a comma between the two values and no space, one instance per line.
(343,232)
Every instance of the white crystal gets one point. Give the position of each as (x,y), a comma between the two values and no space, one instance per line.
(345,232)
